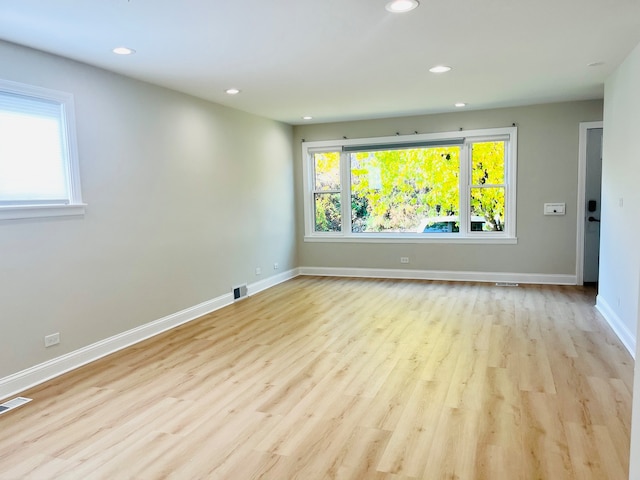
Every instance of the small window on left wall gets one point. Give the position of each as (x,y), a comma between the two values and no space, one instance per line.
(39,171)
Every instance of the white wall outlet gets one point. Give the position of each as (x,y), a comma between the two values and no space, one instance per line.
(51,340)
(258,271)
(276,266)
(404,259)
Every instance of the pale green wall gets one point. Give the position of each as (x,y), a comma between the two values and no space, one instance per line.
(547,172)
(619,284)
(185,198)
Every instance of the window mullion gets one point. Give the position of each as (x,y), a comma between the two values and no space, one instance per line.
(510,178)
(309,169)
(465,188)
(345,197)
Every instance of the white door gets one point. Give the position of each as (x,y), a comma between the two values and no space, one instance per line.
(593,185)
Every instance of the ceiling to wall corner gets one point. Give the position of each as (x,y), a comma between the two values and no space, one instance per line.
(339,60)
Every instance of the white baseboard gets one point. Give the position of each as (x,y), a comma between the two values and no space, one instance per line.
(444,275)
(258,287)
(20,381)
(617,325)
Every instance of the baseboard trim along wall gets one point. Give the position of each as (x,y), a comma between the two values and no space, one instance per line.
(536,278)
(20,381)
(617,325)
(272,281)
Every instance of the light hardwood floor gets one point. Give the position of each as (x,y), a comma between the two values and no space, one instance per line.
(346,378)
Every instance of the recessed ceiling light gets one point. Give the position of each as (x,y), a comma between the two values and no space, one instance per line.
(307,117)
(439,69)
(123,51)
(460,104)
(232,91)
(401,6)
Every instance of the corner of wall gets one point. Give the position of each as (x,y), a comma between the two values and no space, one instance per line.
(627,338)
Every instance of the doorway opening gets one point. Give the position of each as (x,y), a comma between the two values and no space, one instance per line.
(588,211)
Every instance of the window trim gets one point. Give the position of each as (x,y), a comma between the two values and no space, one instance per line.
(508,236)
(74,204)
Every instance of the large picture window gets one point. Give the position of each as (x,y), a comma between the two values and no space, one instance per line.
(38,162)
(439,187)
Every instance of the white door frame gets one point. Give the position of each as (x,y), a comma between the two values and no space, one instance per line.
(582,179)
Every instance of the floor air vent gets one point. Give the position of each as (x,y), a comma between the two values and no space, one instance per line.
(11,404)
(239,292)
(506,284)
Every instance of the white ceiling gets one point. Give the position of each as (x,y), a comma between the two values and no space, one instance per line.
(342,59)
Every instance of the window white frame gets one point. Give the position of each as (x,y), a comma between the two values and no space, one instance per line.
(465,235)
(72,204)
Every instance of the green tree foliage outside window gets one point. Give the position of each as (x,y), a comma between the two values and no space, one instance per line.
(328,217)
(402,190)
(487,196)
(395,190)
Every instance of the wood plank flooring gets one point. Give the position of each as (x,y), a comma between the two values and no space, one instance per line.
(322,378)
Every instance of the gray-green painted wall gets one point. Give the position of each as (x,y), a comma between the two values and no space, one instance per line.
(547,172)
(185,198)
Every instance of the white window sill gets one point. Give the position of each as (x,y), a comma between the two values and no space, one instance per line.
(441,239)
(15,212)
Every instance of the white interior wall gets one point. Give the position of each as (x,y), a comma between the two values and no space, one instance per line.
(619,283)
(619,253)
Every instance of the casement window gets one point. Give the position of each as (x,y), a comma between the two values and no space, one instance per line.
(446,187)
(39,174)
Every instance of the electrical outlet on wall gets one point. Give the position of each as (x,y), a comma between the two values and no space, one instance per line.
(404,259)
(51,340)
(276,266)
(258,271)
